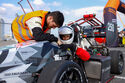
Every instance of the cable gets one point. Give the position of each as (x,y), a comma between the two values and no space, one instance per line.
(121,20)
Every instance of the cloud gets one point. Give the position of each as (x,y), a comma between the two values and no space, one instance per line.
(54,4)
(82,11)
(42,3)
(73,15)
(2,9)
(8,5)
(89,10)
(8,11)
(38,2)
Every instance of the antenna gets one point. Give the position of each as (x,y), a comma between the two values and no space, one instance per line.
(30,5)
(22,6)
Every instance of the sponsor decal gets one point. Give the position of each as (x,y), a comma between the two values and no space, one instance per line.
(114,21)
(111,27)
(106,69)
(25,52)
(17,73)
(57,57)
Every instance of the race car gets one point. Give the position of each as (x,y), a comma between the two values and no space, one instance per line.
(45,62)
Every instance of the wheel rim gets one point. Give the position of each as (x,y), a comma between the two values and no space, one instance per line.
(121,64)
(71,75)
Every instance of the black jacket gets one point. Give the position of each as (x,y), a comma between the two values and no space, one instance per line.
(39,35)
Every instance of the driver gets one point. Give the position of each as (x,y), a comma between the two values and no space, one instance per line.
(66,36)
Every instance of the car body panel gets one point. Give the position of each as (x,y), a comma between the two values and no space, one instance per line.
(21,61)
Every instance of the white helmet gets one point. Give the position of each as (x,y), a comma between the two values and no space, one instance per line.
(66,30)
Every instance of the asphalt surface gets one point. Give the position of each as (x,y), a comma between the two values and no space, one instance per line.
(7,42)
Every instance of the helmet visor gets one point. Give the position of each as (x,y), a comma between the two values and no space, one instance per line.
(65,36)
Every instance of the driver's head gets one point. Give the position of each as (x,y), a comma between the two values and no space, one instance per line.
(66,34)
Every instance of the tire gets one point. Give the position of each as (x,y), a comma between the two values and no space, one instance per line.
(62,72)
(117,62)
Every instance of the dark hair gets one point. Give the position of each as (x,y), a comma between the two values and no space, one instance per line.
(58,17)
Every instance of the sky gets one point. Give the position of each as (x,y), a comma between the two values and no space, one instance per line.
(72,9)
